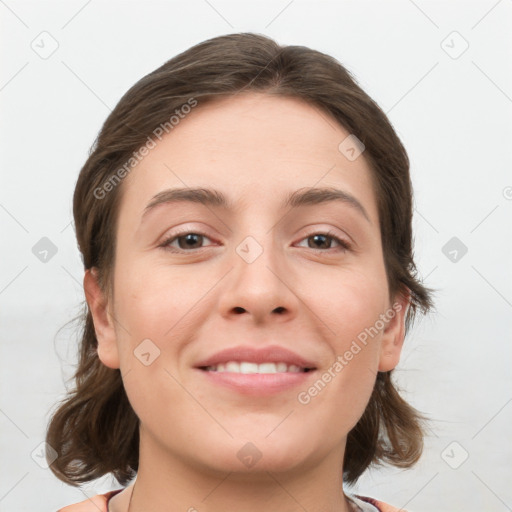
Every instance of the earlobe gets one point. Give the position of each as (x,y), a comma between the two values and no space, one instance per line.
(394,333)
(102,318)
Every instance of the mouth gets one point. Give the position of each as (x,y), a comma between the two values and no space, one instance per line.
(256,380)
(247,367)
(262,372)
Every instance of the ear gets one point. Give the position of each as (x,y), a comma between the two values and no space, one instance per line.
(394,332)
(103,320)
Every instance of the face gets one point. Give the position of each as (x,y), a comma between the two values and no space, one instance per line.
(194,277)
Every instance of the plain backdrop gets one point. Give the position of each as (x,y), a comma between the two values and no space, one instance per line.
(442,71)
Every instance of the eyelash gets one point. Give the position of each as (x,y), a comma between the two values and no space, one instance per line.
(344,245)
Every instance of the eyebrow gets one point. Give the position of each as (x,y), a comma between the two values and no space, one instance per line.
(215,198)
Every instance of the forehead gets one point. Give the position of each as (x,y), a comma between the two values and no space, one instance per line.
(252,146)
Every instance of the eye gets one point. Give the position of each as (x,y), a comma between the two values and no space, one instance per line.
(324,239)
(191,240)
(186,240)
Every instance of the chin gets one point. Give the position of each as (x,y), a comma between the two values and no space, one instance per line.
(261,453)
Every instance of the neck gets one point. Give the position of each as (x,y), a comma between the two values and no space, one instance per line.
(170,484)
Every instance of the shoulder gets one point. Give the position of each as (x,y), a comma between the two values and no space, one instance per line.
(99,503)
(96,503)
(376,505)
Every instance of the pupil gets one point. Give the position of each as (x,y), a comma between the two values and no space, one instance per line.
(190,239)
(315,237)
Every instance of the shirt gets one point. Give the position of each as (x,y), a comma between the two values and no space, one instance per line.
(99,503)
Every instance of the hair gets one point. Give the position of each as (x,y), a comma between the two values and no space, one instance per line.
(94,429)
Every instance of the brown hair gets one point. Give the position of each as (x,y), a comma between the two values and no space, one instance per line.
(94,429)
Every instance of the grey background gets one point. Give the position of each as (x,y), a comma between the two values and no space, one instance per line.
(451,107)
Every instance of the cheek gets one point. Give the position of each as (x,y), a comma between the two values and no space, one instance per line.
(156,303)
(349,305)
(151,388)
(352,314)
(156,320)
(338,396)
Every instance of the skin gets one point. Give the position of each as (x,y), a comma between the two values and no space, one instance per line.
(256,149)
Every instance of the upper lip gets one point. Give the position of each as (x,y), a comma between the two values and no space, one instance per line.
(268,354)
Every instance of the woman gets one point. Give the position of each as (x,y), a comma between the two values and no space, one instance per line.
(245,225)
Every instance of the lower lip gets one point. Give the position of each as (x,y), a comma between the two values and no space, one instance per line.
(258,383)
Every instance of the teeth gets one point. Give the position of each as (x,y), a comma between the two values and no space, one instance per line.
(281,367)
(246,367)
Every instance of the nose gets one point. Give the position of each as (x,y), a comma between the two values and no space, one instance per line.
(259,286)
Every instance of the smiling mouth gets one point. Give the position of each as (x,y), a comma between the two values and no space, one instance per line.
(245,367)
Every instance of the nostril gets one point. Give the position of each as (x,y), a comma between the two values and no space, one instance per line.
(280,309)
